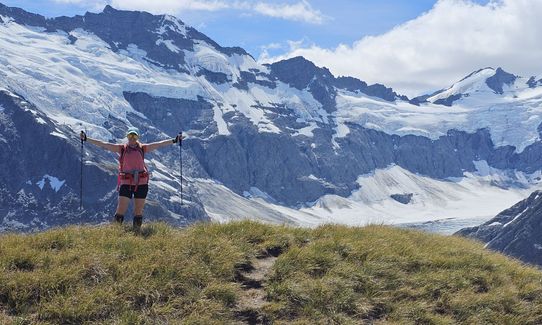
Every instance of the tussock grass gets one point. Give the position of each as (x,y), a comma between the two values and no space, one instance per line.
(327,275)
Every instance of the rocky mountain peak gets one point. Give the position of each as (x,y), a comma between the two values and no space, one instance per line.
(109,9)
(298,72)
(301,73)
(485,80)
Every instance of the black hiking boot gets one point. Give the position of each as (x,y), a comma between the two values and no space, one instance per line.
(138,221)
(119,218)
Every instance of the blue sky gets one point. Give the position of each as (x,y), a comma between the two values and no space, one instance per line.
(346,21)
(416,47)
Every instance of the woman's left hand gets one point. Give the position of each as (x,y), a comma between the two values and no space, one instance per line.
(178,138)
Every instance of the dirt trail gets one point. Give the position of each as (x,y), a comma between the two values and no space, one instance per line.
(253,296)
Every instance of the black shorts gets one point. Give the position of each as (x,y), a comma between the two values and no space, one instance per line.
(128,191)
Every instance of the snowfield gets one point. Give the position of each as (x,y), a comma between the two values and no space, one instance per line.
(473,197)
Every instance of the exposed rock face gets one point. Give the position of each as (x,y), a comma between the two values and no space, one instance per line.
(248,158)
(172,115)
(501,78)
(449,100)
(515,231)
(533,83)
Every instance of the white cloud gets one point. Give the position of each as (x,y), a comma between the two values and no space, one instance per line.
(291,46)
(298,11)
(439,47)
(272,46)
(89,4)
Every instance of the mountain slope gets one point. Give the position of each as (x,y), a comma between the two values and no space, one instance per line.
(204,274)
(514,231)
(289,133)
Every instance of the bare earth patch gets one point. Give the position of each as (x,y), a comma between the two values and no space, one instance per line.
(253,297)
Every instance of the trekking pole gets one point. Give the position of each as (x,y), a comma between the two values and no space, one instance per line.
(81,183)
(181,162)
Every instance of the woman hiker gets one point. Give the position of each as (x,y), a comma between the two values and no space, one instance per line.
(133,175)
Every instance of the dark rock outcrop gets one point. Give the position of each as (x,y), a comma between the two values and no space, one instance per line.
(449,101)
(499,79)
(376,90)
(515,231)
(402,198)
(533,83)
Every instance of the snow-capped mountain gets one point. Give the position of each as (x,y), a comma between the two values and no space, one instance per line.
(486,82)
(284,142)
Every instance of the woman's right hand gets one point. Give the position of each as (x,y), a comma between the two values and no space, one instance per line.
(83,136)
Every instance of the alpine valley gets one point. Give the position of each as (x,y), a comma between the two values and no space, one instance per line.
(286,142)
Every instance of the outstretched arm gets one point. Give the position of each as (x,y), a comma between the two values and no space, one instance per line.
(107,146)
(156,145)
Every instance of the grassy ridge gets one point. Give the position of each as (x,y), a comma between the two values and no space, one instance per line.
(331,274)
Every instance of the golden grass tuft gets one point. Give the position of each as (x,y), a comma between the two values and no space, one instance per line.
(331,274)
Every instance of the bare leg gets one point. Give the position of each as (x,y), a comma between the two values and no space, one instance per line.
(122,205)
(138,207)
